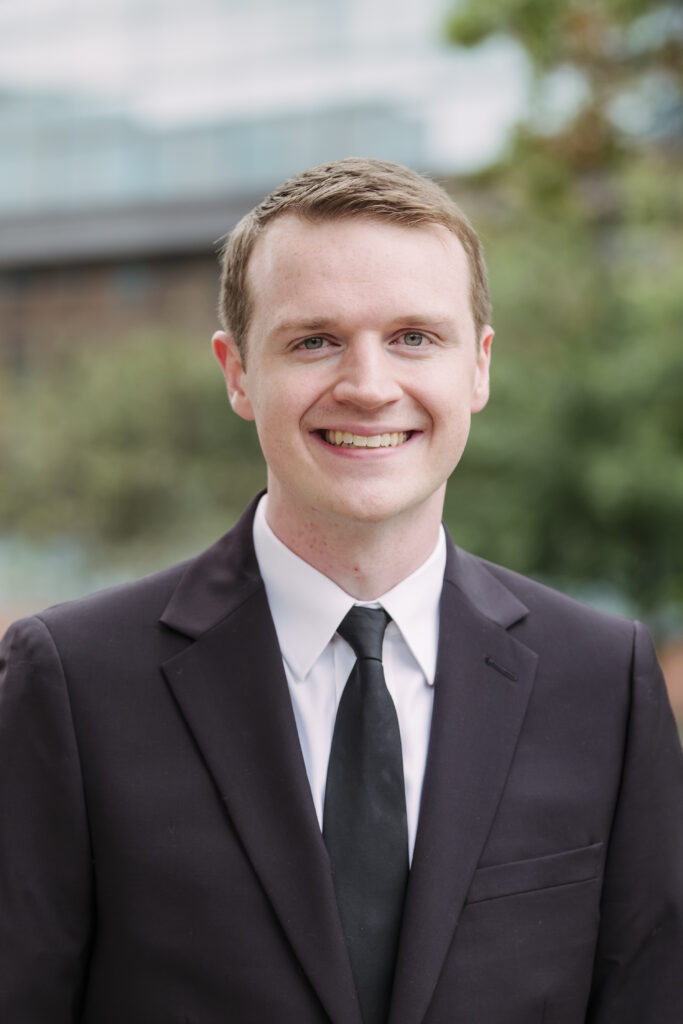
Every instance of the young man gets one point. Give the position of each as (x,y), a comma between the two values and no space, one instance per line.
(336,769)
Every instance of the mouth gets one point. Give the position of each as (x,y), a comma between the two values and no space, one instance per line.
(345,439)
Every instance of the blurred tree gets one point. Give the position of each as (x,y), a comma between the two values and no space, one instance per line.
(117,445)
(575,472)
(627,54)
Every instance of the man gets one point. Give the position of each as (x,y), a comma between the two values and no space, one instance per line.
(213,781)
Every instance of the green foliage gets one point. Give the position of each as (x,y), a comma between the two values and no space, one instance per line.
(575,472)
(554,31)
(119,444)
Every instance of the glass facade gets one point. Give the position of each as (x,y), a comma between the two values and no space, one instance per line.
(135,101)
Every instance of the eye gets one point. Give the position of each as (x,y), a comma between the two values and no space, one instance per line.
(414,339)
(312,344)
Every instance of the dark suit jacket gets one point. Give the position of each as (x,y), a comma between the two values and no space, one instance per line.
(160,857)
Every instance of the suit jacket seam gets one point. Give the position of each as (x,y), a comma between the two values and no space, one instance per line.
(74,731)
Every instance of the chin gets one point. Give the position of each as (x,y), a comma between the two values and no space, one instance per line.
(368,509)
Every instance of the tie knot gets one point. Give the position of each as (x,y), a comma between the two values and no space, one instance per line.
(363,629)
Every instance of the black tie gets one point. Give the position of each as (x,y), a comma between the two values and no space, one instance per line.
(364,820)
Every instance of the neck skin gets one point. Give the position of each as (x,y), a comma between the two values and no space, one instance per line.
(365,559)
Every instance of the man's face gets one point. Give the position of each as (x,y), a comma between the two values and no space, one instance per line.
(362,369)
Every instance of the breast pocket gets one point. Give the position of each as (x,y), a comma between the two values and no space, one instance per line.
(520,876)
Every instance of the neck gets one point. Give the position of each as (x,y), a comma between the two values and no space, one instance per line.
(364,559)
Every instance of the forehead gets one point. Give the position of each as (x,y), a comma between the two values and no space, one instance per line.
(355,256)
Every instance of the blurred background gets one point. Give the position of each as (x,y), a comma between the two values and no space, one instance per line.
(134,133)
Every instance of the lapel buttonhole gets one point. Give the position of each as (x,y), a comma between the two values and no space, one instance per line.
(500,668)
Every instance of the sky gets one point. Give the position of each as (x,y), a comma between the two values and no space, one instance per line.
(172,62)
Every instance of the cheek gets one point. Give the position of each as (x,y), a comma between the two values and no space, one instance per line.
(277,423)
(464,397)
(450,410)
(454,427)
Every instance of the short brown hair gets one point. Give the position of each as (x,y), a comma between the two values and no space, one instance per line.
(374,189)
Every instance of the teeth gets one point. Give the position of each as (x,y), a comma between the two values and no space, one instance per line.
(348,440)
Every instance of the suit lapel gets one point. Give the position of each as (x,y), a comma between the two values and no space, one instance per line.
(231,689)
(483,683)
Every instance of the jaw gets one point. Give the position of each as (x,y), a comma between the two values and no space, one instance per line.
(356,503)
(356,525)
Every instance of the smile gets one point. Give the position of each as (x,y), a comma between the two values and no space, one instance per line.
(343,438)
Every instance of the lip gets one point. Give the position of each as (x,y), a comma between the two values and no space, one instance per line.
(365,431)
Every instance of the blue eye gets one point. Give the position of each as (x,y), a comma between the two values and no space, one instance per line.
(312,344)
(414,339)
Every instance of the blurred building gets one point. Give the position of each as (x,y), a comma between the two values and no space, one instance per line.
(108,224)
(147,129)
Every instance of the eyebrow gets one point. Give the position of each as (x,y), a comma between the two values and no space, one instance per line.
(304,326)
(322,323)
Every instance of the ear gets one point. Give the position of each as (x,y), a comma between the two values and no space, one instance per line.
(230,361)
(480,393)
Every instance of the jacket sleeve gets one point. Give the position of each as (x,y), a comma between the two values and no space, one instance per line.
(45,862)
(638,974)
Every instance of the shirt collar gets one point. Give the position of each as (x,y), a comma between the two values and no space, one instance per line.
(307,606)
(414,606)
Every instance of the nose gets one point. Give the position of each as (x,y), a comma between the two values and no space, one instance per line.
(367,375)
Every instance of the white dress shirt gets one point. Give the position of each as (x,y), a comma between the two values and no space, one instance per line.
(307,607)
